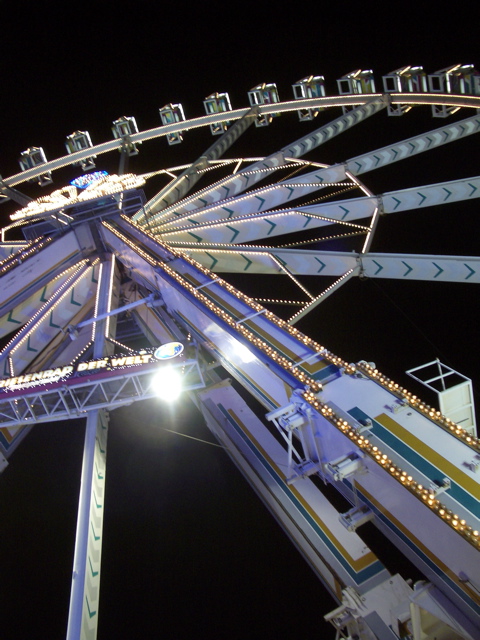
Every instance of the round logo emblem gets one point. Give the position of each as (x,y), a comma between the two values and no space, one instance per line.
(168,350)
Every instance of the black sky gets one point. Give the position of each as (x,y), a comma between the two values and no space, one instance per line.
(190,551)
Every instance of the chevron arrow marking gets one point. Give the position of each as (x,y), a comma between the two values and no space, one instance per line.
(95,537)
(52,323)
(235,232)
(474,188)
(72,301)
(440,270)
(229,211)
(423,198)
(90,612)
(347,211)
(29,348)
(449,193)
(291,189)
(409,268)
(380,267)
(100,446)
(214,260)
(42,295)
(10,319)
(323,265)
(471,271)
(249,262)
(262,202)
(307,222)
(94,573)
(99,475)
(397,201)
(197,238)
(273,225)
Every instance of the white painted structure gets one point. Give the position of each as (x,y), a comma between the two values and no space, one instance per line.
(399,462)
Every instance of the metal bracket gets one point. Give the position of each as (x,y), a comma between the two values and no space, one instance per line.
(355,517)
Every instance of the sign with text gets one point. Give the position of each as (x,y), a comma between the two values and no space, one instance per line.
(108,363)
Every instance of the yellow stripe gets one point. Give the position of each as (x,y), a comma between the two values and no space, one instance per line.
(443,567)
(449,469)
(357,565)
(9,437)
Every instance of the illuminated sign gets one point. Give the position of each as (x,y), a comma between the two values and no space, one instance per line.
(108,363)
(168,350)
(89,178)
(105,185)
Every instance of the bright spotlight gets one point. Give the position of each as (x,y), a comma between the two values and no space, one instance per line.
(167,384)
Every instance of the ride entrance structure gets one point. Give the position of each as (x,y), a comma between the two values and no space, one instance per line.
(101,277)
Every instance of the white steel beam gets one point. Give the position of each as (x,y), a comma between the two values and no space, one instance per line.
(239,227)
(19,281)
(334,263)
(85,591)
(178,187)
(413,146)
(263,199)
(422,267)
(75,397)
(236,184)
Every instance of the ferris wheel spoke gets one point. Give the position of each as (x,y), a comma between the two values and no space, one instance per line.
(181,185)
(262,200)
(236,184)
(334,128)
(430,195)
(421,267)
(274,260)
(413,146)
(269,197)
(439,268)
(254,227)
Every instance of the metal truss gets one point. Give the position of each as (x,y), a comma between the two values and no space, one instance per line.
(76,396)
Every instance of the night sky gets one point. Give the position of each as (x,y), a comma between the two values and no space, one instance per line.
(189,549)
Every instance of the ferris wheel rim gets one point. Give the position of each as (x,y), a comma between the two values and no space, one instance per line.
(425,99)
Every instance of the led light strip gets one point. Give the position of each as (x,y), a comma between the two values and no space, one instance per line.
(310,394)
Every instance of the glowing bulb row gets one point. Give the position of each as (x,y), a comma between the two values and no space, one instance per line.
(419,491)
(324,293)
(310,395)
(31,324)
(29,250)
(428,411)
(246,217)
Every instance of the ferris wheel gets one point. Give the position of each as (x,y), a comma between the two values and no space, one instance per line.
(85,285)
